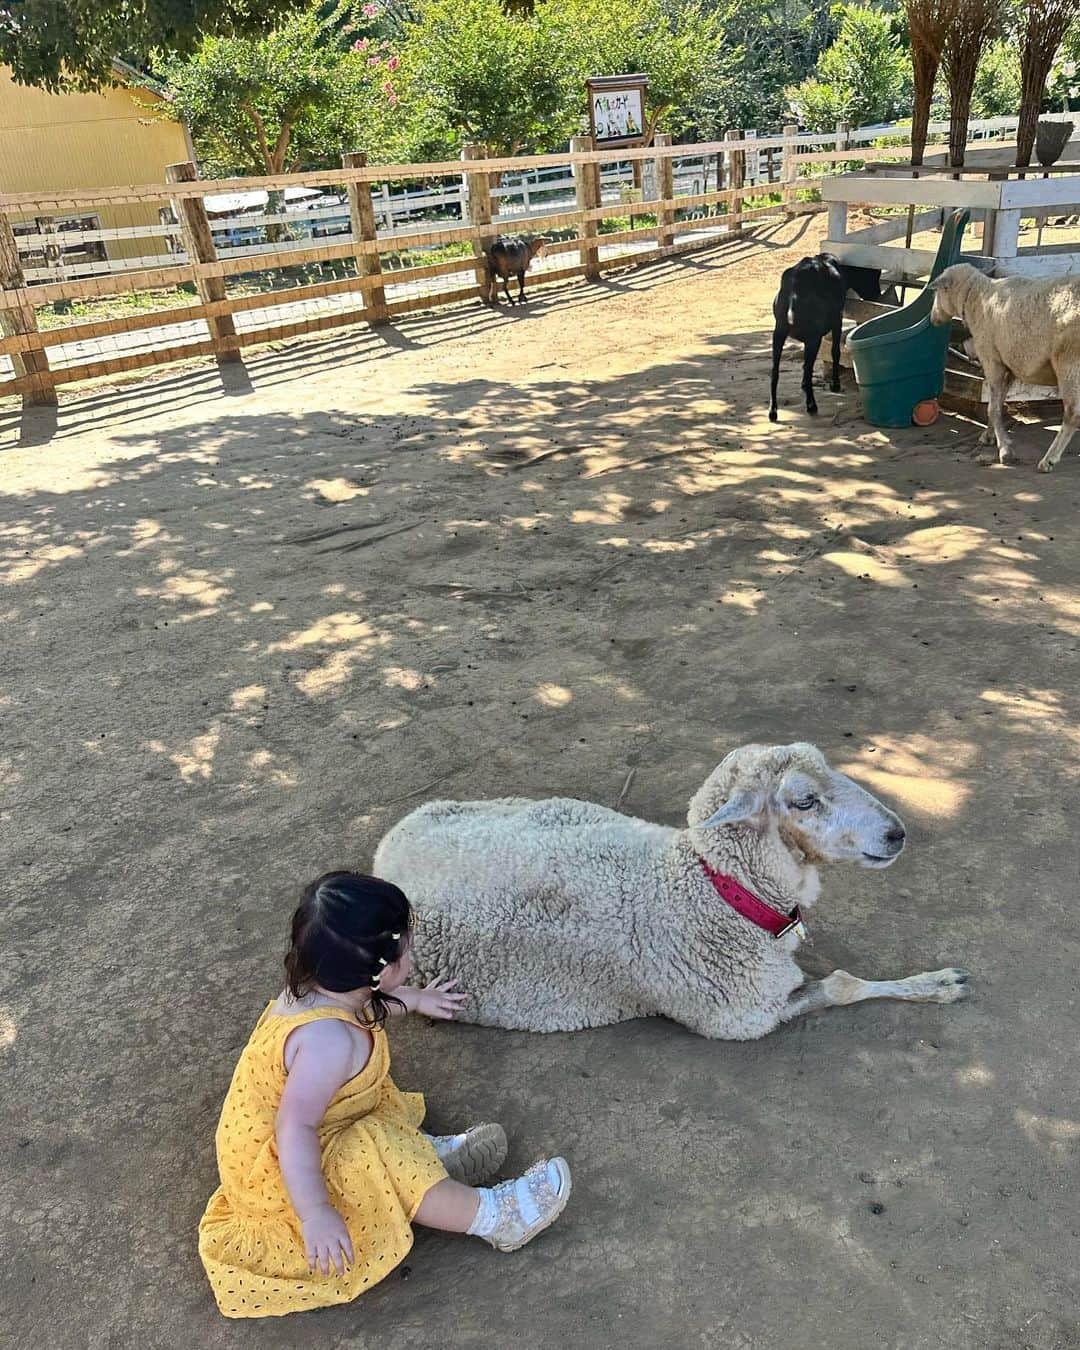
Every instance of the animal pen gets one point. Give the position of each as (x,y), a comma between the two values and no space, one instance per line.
(999,196)
(207,268)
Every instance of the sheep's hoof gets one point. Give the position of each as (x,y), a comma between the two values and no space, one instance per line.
(942,986)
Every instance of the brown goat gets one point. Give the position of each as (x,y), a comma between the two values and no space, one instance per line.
(508,258)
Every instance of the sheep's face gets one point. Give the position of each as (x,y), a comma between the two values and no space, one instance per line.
(948,291)
(817,811)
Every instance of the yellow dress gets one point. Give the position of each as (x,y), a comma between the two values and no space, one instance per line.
(377,1167)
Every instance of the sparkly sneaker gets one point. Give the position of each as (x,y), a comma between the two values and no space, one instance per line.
(474,1156)
(525,1207)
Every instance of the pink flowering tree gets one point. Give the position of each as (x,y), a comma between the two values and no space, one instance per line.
(322,82)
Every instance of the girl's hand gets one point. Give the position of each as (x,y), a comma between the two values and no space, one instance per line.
(326,1240)
(436,1000)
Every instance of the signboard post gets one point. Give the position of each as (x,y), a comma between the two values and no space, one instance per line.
(617,110)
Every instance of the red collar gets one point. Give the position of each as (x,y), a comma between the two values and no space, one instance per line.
(747,904)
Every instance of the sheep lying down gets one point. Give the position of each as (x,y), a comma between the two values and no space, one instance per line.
(557,915)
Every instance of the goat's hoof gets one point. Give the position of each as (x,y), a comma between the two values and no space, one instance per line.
(811,408)
(1006,456)
(772,415)
(1045,466)
(836,388)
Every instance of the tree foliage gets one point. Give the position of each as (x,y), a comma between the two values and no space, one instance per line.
(474,72)
(322,82)
(675,45)
(863,77)
(72,43)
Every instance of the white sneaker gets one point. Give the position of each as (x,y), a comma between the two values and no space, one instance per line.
(474,1156)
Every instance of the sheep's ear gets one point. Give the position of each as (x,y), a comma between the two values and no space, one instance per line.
(742,806)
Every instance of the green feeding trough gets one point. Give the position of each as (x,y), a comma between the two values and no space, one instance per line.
(899,358)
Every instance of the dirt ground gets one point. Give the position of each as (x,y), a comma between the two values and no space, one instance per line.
(246,626)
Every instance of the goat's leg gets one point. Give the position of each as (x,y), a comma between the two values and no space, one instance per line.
(839,989)
(837,334)
(810,356)
(998,378)
(521,288)
(506,289)
(779,337)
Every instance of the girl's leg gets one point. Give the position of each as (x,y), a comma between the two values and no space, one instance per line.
(507,1215)
(448,1206)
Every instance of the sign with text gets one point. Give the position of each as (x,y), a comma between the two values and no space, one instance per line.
(617,109)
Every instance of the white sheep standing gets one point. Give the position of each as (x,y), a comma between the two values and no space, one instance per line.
(556,915)
(1022,328)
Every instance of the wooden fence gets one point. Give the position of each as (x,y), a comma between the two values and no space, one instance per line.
(317,286)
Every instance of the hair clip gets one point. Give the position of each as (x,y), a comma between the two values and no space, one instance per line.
(375,980)
(382,961)
(395,936)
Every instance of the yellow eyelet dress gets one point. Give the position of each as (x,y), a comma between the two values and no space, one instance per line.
(377,1166)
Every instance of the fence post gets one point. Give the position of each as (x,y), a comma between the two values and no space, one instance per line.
(789,166)
(478,200)
(362,222)
(735,174)
(842,141)
(587,190)
(21,318)
(191,213)
(665,190)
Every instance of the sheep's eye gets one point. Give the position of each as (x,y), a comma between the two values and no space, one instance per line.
(806,803)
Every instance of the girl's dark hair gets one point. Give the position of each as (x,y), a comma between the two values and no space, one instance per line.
(347,929)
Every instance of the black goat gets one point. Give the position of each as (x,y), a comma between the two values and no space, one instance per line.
(508,258)
(809,304)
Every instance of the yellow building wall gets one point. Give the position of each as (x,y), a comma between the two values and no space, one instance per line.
(54,141)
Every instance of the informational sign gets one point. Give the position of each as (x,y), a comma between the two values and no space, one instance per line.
(752,169)
(617,109)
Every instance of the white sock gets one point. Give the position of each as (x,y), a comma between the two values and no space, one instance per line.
(487,1212)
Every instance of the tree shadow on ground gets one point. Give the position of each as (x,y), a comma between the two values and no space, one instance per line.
(238,649)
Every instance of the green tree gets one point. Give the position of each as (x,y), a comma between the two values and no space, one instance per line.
(473,72)
(73,44)
(321,83)
(862,78)
(997,81)
(767,44)
(676,44)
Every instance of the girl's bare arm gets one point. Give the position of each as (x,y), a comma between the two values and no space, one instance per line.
(325,1058)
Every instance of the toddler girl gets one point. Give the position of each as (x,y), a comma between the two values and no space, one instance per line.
(323,1165)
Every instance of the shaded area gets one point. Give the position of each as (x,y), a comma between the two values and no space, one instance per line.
(246,632)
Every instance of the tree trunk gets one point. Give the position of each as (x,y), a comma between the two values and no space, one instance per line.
(1035,73)
(926,69)
(959,115)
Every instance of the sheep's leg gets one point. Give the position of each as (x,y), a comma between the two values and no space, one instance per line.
(521,288)
(779,337)
(810,356)
(840,989)
(837,334)
(999,379)
(1070,423)
(1059,446)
